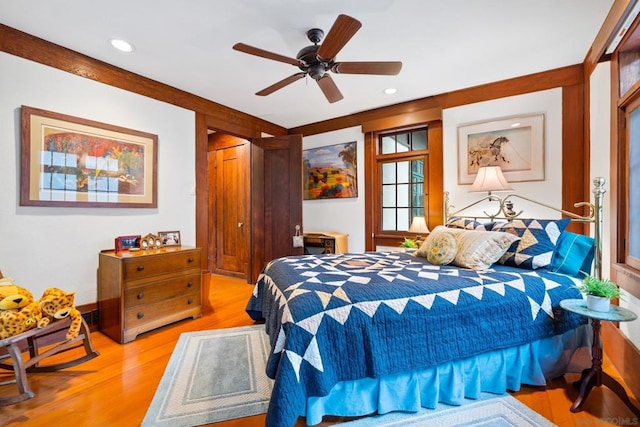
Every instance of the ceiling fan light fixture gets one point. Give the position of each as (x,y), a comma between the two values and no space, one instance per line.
(122,45)
(316,71)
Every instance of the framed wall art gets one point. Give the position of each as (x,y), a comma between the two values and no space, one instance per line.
(516,144)
(69,161)
(330,172)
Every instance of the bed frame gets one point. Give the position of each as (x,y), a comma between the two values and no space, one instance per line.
(505,212)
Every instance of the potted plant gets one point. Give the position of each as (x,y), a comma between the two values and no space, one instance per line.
(409,245)
(599,292)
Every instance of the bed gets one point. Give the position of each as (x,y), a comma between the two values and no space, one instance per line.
(359,333)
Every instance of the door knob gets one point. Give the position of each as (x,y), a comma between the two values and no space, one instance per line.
(240,224)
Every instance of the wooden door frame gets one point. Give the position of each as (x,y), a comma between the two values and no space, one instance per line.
(203,123)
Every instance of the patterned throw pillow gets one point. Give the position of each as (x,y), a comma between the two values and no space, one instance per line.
(439,248)
(468,224)
(478,250)
(538,239)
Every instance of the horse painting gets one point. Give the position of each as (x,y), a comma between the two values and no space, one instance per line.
(483,154)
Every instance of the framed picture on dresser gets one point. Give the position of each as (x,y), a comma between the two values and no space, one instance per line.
(170,238)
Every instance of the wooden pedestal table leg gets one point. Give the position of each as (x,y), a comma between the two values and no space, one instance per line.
(595,376)
(587,381)
(617,388)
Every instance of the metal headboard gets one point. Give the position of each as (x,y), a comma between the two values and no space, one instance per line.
(505,212)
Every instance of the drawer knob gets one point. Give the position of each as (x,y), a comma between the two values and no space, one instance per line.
(140,295)
(189,284)
(190,301)
(140,315)
(191,259)
(140,267)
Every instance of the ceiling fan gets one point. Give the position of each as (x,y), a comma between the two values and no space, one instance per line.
(318,60)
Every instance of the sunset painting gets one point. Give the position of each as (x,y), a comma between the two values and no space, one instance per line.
(330,172)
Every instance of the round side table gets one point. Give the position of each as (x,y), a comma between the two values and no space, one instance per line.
(595,376)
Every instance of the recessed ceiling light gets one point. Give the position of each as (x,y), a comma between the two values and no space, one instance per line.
(515,125)
(122,45)
(390,91)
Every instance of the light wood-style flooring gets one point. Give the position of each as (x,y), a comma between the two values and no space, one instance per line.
(116,388)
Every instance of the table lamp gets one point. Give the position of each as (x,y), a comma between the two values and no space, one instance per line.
(490,178)
(419,226)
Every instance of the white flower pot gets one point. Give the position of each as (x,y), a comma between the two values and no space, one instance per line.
(596,303)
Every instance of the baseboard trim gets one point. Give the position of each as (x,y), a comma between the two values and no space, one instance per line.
(90,314)
(624,355)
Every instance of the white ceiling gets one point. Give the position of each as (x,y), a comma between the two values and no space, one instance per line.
(444,45)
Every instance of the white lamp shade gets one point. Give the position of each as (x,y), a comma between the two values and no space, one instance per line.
(418,225)
(490,178)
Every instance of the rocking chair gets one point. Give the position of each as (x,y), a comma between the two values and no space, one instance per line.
(40,344)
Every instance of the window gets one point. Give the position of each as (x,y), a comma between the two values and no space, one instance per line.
(631,191)
(402,193)
(401,163)
(625,167)
(403,176)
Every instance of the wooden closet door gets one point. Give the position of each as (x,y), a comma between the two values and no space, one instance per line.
(231,210)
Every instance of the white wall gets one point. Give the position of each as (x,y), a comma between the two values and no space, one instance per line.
(44,247)
(600,166)
(345,216)
(549,191)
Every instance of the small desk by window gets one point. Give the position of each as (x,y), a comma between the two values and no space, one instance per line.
(325,242)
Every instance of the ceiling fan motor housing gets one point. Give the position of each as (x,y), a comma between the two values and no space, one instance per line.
(312,64)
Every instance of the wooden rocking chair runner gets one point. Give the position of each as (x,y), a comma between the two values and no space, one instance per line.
(40,344)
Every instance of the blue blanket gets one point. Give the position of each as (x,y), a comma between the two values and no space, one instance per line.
(333,318)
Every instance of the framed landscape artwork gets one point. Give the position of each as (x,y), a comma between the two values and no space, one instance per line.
(330,172)
(69,161)
(516,144)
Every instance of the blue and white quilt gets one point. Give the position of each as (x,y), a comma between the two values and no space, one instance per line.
(333,318)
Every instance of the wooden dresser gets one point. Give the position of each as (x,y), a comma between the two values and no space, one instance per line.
(141,291)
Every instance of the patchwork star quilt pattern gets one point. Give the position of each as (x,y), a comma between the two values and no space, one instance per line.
(333,318)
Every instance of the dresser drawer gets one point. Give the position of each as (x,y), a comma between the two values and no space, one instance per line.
(147,266)
(139,315)
(161,290)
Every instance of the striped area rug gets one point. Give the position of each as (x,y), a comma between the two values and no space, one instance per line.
(219,375)
(491,411)
(213,376)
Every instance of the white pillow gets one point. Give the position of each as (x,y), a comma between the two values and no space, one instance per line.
(478,250)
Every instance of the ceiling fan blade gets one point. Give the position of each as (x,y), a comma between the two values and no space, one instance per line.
(241,47)
(282,83)
(329,88)
(340,33)
(379,68)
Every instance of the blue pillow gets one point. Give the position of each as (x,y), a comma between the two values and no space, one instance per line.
(574,254)
(538,239)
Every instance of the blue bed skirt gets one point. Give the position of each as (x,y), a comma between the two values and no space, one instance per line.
(493,372)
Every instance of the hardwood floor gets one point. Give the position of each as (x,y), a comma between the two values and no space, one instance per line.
(117,387)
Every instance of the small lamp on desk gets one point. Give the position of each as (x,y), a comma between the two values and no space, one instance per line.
(419,226)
